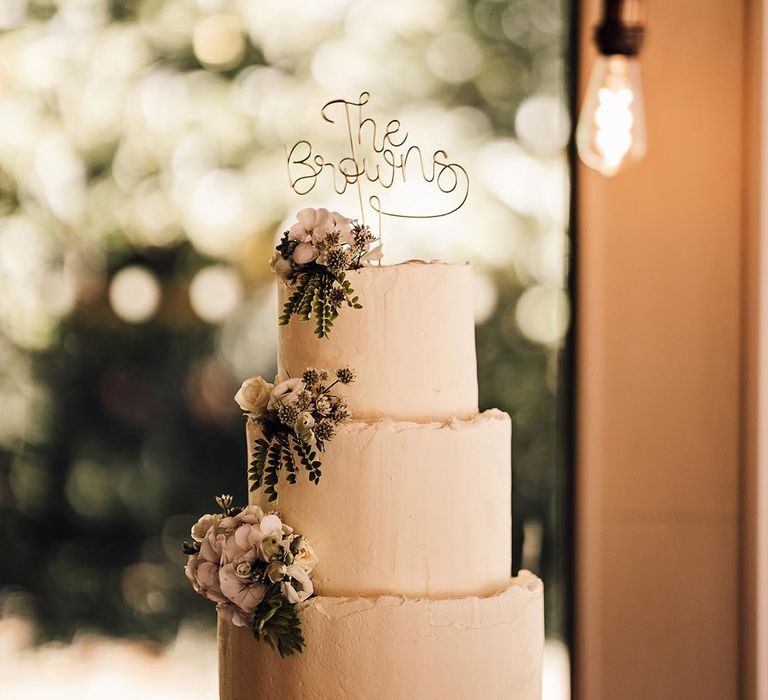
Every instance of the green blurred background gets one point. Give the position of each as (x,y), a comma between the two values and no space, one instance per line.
(142,186)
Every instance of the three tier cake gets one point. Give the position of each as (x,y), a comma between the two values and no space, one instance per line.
(411,520)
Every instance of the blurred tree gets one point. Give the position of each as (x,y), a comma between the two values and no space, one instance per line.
(140,144)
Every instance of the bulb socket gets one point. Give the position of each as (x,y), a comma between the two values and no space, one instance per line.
(622,29)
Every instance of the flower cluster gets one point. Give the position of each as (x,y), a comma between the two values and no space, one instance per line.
(297,417)
(313,257)
(255,568)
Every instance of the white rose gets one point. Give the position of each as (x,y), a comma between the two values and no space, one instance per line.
(286,392)
(276,570)
(243,570)
(254,395)
(201,527)
(305,556)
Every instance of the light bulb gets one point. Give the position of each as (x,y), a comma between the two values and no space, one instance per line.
(611,130)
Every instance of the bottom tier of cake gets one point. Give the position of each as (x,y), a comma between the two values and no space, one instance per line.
(393,648)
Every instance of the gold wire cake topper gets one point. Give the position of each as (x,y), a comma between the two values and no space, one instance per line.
(376,159)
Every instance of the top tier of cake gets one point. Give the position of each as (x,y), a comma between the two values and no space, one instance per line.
(412,345)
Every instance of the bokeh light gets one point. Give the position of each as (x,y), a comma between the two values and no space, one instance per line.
(543,124)
(542,314)
(454,57)
(134,294)
(215,292)
(218,40)
(142,187)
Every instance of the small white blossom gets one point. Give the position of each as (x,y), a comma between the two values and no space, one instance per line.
(254,395)
(286,392)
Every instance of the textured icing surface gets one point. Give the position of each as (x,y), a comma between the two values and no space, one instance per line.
(394,648)
(418,509)
(412,344)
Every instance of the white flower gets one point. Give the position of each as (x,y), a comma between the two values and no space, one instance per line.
(313,225)
(245,594)
(300,586)
(304,424)
(243,570)
(305,556)
(228,524)
(280,265)
(254,395)
(250,515)
(226,568)
(323,405)
(305,253)
(201,527)
(233,614)
(203,568)
(276,570)
(286,392)
(343,225)
(243,540)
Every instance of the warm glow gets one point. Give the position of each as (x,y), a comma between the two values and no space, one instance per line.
(215,293)
(134,294)
(611,131)
(218,41)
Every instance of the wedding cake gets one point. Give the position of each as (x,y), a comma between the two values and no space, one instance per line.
(410,523)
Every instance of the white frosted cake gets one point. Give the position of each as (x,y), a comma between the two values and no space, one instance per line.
(411,519)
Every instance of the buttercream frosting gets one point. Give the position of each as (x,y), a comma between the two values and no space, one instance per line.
(412,344)
(395,648)
(419,509)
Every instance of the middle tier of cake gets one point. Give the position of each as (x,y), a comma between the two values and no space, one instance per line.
(406,508)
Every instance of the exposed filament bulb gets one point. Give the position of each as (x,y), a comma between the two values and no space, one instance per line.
(611,130)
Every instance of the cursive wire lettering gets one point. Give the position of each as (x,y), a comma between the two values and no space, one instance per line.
(376,157)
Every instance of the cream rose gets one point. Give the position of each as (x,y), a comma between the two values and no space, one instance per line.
(304,555)
(286,392)
(276,571)
(201,527)
(254,395)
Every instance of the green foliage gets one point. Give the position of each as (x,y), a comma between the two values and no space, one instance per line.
(319,294)
(277,623)
(280,449)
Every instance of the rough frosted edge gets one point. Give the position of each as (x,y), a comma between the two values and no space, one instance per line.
(457,423)
(518,593)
